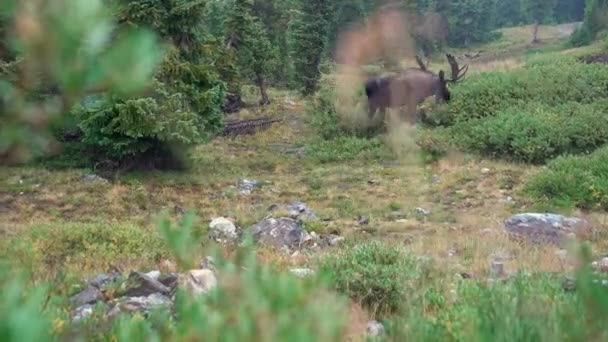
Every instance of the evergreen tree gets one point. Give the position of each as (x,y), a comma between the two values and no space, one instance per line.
(183,107)
(470,21)
(247,37)
(308,38)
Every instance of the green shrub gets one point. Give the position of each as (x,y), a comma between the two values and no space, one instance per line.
(372,274)
(581,181)
(550,80)
(527,307)
(533,132)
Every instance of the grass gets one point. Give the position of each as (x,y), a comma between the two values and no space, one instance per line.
(65,225)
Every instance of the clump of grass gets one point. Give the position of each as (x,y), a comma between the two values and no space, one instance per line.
(347,148)
(374,274)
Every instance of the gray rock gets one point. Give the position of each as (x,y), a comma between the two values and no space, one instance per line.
(93,178)
(485,171)
(543,228)
(154,274)
(280,232)
(82,313)
(334,240)
(375,328)
(223,230)
(302,272)
(246,186)
(435,179)
(363,220)
(296,210)
(103,279)
(169,280)
(208,263)
(143,304)
(423,212)
(89,296)
(141,285)
(197,282)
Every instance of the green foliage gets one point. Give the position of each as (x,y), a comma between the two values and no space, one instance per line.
(184,107)
(183,240)
(580,181)
(551,81)
(471,21)
(83,246)
(535,132)
(595,21)
(372,274)
(59,62)
(308,38)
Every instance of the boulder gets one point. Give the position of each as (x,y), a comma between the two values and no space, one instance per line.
(197,282)
(223,230)
(141,285)
(246,186)
(280,232)
(143,304)
(375,328)
(544,228)
(89,296)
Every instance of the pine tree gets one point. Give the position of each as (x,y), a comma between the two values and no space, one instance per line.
(184,105)
(247,37)
(308,38)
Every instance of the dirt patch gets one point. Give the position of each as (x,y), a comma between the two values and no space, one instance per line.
(601,58)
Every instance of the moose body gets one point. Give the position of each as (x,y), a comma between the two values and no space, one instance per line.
(409,88)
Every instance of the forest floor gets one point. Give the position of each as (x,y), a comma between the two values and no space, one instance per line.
(466,198)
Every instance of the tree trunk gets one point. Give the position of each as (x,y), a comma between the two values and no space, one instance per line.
(259,80)
(535,33)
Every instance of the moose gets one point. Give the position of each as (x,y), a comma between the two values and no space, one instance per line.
(410,88)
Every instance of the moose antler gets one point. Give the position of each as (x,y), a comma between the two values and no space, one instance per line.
(457,72)
(421,63)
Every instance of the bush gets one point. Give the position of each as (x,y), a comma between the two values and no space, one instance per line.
(581,181)
(549,81)
(524,308)
(373,274)
(535,132)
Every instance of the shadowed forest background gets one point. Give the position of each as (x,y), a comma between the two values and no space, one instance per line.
(208,170)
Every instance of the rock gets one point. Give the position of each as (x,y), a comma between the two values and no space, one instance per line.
(246,186)
(82,312)
(302,272)
(375,328)
(198,282)
(141,285)
(485,171)
(93,178)
(547,228)
(169,280)
(423,212)
(397,215)
(601,265)
(153,274)
(281,233)
(296,210)
(435,179)
(102,279)
(373,182)
(143,304)
(89,296)
(223,230)
(363,220)
(335,240)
